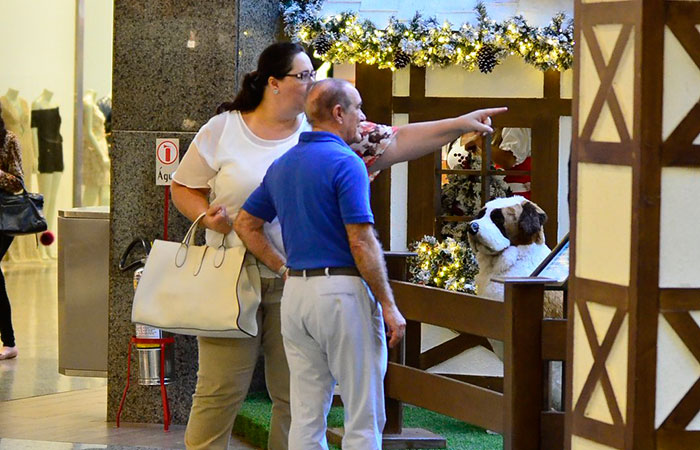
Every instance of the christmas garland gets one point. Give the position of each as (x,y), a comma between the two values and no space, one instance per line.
(344,38)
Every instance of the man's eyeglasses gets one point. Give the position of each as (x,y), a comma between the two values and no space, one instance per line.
(303,76)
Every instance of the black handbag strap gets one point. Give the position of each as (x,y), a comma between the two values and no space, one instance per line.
(26,195)
(24,192)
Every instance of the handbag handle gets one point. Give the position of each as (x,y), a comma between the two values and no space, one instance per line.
(185,244)
(192,229)
(25,194)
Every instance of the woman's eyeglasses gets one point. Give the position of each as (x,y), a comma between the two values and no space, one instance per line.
(303,76)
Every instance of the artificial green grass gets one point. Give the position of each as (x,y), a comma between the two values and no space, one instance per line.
(253,421)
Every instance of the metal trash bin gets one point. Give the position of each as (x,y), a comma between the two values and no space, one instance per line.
(83,291)
(149,354)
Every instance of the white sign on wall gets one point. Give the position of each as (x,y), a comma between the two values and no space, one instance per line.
(167,160)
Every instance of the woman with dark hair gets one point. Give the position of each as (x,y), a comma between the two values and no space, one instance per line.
(226,161)
(224,164)
(10,181)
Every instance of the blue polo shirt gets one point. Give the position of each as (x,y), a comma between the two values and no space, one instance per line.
(315,188)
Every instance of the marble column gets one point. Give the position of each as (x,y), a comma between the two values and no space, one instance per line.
(174,62)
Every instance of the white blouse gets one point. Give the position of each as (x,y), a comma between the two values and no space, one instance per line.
(226,157)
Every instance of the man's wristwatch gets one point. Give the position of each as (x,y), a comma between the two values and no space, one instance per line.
(282,270)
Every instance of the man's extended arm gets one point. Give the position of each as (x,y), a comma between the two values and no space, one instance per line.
(250,229)
(369,259)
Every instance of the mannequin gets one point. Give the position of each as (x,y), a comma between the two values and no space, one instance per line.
(46,123)
(95,155)
(105,105)
(17,116)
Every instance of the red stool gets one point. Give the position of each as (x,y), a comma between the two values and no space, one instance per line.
(163,392)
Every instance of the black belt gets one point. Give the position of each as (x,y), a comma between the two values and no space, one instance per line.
(350,271)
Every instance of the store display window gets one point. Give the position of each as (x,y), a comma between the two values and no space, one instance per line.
(55,94)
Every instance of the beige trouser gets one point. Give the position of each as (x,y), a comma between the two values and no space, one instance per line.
(225,371)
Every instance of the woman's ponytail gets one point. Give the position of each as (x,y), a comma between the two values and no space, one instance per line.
(248,98)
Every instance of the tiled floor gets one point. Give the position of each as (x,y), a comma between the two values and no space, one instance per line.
(24,444)
(42,409)
(32,288)
(79,417)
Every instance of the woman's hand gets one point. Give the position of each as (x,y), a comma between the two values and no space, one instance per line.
(217,219)
(480,120)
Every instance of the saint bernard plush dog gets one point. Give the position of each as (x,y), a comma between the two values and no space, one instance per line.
(507,237)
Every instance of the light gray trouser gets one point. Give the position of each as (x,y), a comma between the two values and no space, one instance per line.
(334,331)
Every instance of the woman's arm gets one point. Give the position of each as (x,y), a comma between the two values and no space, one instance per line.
(193,202)
(194,170)
(418,139)
(11,178)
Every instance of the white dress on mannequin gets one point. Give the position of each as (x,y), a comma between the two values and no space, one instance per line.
(17,116)
(95,156)
(48,181)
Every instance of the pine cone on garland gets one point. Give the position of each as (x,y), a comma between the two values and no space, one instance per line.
(401,59)
(486,58)
(322,44)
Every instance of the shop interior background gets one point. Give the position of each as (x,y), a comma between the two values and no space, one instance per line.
(40,53)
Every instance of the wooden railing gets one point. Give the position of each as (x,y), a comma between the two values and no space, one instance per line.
(517,411)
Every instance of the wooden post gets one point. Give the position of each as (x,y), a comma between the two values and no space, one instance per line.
(394,408)
(522,384)
(413,347)
(395,436)
(375,86)
(397,269)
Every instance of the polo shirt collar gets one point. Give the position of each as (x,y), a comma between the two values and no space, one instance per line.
(321,136)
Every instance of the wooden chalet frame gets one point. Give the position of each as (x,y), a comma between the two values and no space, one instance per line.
(541,115)
(642,301)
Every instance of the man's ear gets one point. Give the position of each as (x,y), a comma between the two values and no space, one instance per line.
(337,113)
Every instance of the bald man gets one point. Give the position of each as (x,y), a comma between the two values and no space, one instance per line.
(336,299)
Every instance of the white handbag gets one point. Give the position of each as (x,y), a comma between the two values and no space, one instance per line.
(199,290)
